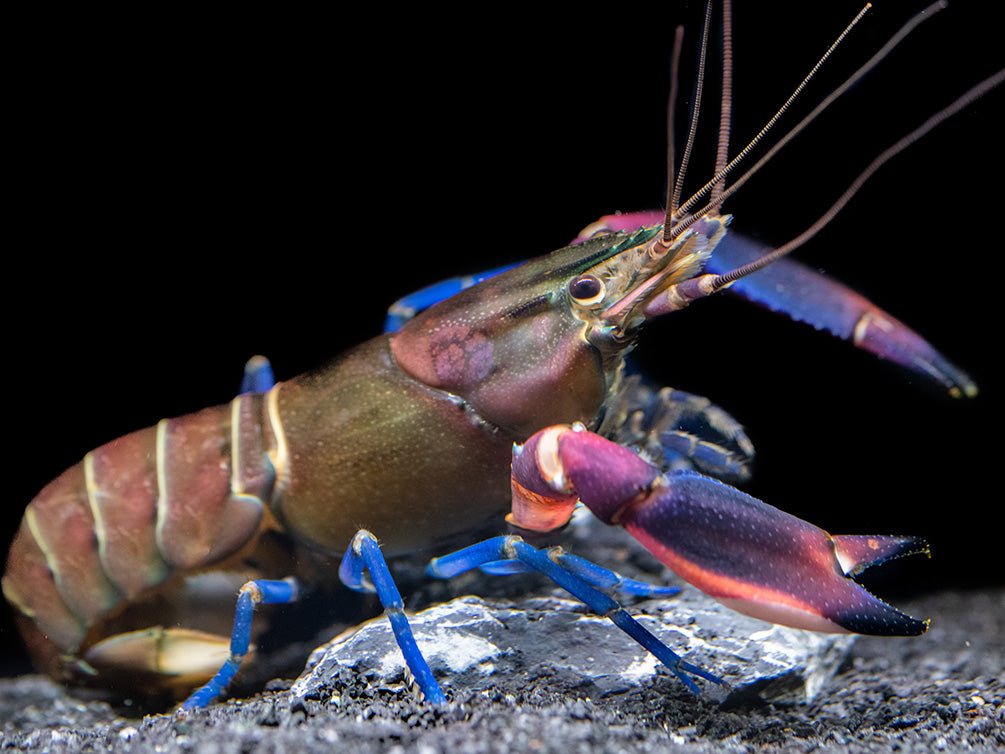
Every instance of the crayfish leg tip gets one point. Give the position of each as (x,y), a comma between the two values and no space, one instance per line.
(442,701)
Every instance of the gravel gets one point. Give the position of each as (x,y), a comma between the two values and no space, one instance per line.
(943,691)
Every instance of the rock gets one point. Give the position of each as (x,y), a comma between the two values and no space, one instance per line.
(473,644)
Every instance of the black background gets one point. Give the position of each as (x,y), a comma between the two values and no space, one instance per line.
(194,190)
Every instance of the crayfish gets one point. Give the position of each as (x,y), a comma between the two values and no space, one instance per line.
(504,396)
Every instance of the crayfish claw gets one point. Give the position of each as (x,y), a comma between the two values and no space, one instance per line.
(752,557)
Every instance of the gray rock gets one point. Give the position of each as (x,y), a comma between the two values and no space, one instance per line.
(472,644)
(944,691)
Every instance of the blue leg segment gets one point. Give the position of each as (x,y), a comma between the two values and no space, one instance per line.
(509,548)
(591,573)
(364,555)
(258,377)
(603,578)
(408,306)
(251,594)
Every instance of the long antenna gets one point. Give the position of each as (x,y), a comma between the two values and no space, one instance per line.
(678,44)
(693,126)
(723,172)
(681,294)
(672,227)
(726,104)
(974,93)
(885,50)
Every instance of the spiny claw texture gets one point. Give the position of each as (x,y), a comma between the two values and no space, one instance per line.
(752,557)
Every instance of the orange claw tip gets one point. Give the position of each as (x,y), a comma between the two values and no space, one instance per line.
(533,512)
(605,476)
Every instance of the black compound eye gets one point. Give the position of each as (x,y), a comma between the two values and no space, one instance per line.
(587,289)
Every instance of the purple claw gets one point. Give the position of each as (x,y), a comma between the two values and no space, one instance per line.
(805,295)
(754,558)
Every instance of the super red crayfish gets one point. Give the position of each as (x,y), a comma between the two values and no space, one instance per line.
(114,558)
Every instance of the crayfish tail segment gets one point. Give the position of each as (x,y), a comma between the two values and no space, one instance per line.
(754,558)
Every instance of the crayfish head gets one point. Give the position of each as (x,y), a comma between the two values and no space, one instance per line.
(543,343)
(616,296)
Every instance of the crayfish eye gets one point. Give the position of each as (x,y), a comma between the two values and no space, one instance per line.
(587,289)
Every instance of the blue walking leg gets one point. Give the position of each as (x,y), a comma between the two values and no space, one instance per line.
(509,548)
(364,555)
(603,578)
(591,573)
(408,306)
(251,594)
